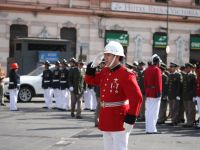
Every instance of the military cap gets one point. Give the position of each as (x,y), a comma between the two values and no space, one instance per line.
(163,66)
(129,65)
(47,63)
(73,60)
(64,61)
(141,63)
(182,67)
(189,65)
(156,59)
(135,64)
(194,66)
(103,60)
(57,62)
(173,64)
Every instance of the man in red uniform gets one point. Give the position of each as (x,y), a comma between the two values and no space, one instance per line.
(120,97)
(153,91)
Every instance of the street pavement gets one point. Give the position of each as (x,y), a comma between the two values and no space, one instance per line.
(35,128)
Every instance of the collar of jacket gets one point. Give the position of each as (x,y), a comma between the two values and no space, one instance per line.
(115,68)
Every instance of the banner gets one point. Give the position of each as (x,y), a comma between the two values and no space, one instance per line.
(122,38)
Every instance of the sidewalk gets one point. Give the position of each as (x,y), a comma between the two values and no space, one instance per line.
(34,128)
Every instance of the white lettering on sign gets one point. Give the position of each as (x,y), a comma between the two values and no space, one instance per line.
(150,9)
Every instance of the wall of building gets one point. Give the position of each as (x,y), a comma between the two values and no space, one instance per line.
(91,27)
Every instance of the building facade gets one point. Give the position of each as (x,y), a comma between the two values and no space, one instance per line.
(144,27)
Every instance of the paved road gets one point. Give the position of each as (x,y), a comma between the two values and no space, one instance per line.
(34,128)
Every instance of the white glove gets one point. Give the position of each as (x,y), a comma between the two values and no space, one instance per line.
(194,99)
(97,60)
(71,88)
(128,127)
(178,98)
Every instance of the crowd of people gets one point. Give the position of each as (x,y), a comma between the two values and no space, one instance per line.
(180,93)
(120,94)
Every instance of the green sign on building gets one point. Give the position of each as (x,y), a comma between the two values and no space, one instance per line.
(122,38)
(194,42)
(159,41)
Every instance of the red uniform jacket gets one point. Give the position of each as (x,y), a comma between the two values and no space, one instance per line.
(117,85)
(153,81)
(198,83)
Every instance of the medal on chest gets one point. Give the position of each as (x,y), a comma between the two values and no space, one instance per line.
(114,86)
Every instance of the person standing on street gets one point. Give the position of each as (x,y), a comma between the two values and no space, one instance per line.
(164,99)
(153,93)
(56,84)
(2,76)
(198,92)
(64,86)
(189,94)
(76,88)
(14,85)
(140,80)
(46,85)
(174,93)
(120,97)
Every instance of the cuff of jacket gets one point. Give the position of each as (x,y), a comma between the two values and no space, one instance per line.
(130,119)
(90,71)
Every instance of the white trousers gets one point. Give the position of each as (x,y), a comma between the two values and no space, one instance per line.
(116,140)
(151,113)
(65,101)
(90,99)
(48,97)
(198,105)
(94,100)
(57,96)
(13,93)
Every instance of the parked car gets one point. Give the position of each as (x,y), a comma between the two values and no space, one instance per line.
(30,85)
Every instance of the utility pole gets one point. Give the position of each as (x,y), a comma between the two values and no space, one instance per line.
(167,47)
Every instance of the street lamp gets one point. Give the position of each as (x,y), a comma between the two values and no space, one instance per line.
(167,47)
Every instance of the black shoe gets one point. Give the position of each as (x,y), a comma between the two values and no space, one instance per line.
(93,110)
(182,121)
(86,109)
(160,122)
(61,109)
(79,117)
(2,104)
(15,110)
(96,125)
(45,107)
(72,115)
(154,132)
(54,108)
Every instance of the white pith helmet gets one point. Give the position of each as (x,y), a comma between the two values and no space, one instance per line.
(114,48)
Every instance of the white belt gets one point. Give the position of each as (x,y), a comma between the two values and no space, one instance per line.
(63,81)
(11,82)
(55,80)
(113,104)
(46,81)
